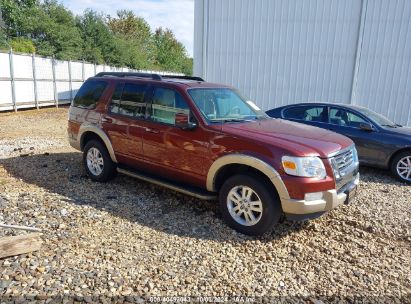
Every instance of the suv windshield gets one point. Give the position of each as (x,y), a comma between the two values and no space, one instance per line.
(378,118)
(224,105)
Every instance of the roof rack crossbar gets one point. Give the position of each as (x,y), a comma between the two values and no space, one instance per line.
(196,78)
(130,74)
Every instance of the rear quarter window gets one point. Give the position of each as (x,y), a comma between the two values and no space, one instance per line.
(89,94)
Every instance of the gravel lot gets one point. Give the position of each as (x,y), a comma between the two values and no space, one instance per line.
(132,239)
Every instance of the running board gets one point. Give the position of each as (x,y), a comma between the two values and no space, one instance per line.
(195,192)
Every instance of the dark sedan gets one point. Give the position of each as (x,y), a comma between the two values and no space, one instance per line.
(379,141)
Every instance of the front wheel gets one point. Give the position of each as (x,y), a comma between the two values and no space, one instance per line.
(249,204)
(401,166)
(97,162)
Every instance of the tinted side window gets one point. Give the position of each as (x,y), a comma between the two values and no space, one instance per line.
(166,103)
(89,94)
(306,113)
(114,106)
(128,99)
(342,117)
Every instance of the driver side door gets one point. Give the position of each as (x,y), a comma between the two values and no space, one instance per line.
(368,143)
(178,153)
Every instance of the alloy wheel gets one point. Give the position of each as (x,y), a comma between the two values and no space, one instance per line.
(95,161)
(404,168)
(244,205)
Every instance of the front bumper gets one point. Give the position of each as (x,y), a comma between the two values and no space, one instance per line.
(302,209)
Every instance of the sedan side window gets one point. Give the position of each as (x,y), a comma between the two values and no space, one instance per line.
(166,104)
(306,113)
(345,118)
(128,99)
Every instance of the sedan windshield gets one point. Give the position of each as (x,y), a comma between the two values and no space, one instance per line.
(225,105)
(378,118)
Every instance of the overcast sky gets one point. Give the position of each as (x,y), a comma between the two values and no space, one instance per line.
(177,15)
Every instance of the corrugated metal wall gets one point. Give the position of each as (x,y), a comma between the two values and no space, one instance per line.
(288,51)
(384,73)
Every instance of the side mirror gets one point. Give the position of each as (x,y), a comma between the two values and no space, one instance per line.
(182,120)
(366,127)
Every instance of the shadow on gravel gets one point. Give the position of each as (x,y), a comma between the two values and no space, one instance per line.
(380,176)
(136,201)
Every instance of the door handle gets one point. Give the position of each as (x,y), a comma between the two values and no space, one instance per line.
(152,130)
(105,119)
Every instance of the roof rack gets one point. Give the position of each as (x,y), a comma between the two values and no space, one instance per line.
(147,75)
(196,78)
(130,74)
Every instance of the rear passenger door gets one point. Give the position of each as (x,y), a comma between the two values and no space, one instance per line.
(122,121)
(314,115)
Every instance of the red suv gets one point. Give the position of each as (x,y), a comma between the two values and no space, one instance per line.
(207,140)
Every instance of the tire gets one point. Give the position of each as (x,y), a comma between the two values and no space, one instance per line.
(262,191)
(102,159)
(402,160)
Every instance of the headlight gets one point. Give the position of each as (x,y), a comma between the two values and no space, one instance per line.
(304,166)
(355,155)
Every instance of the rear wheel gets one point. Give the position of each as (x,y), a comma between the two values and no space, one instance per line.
(97,162)
(249,204)
(401,166)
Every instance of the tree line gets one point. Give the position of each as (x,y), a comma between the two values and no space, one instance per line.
(48,28)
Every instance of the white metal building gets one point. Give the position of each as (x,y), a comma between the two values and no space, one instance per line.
(287,51)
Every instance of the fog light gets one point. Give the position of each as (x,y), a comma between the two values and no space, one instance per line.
(313,196)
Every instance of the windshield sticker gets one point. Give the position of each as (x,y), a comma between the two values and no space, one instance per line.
(253,105)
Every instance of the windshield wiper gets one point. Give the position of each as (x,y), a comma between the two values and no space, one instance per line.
(229,120)
(261,117)
(391,126)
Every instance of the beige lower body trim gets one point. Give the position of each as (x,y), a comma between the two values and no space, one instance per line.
(88,127)
(75,144)
(251,161)
(330,201)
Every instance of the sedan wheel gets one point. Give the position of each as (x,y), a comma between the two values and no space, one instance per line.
(404,168)
(401,166)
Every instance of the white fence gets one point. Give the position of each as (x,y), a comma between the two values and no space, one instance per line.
(28,81)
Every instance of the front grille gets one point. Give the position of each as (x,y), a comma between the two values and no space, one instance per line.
(345,166)
(344,160)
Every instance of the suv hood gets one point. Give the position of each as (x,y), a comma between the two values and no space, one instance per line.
(300,139)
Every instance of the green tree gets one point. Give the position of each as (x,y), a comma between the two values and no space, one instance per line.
(3,36)
(3,42)
(187,67)
(13,13)
(98,42)
(62,37)
(170,53)
(49,25)
(22,45)
(134,39)
(129,25)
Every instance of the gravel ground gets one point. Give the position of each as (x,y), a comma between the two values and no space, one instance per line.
(129,239)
